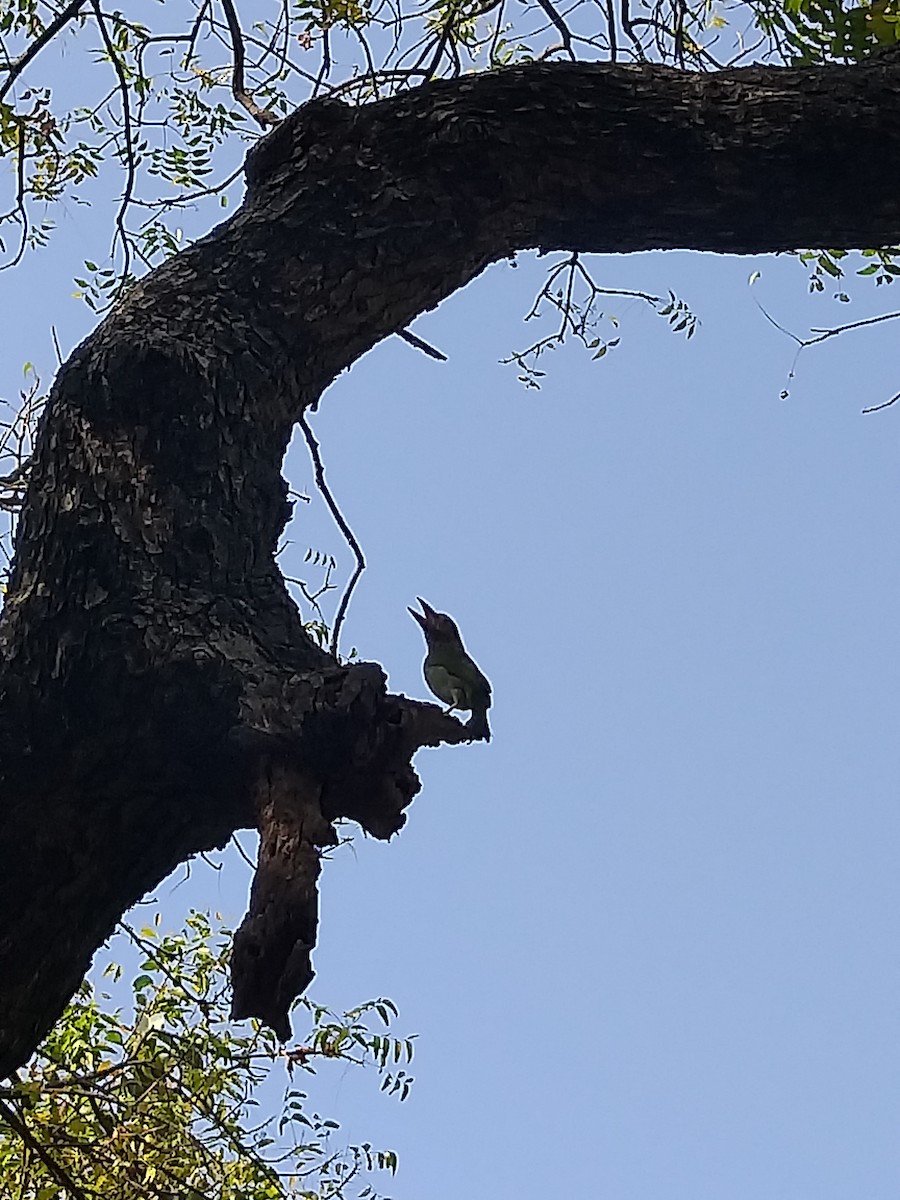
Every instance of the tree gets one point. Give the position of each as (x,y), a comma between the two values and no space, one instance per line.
(159,689)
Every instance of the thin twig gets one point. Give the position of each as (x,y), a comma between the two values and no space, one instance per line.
(341,524)
(413,340)
(824,334)
(611,27)
(128,151)
(153,951)
(325,69)
(886,404)
(20,212)
(780,328)
(164,203)
(263,116)
(250,40)
(628,26)
(441,45)
(194,34)
(564,31)
(370,62)
(495,37)
(243,853)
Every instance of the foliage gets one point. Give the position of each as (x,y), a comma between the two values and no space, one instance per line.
(167,105)
(831,265)
(818,31)
(164,1098)
(176,103)
(572,293)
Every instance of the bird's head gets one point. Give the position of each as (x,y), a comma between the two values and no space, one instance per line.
(436,626)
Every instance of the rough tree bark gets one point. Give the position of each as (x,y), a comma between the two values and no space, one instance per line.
(157,690)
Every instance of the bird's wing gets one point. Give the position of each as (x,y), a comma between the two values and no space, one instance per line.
(474,679)
(444,685)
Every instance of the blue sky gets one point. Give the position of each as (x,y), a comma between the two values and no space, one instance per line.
(648,936)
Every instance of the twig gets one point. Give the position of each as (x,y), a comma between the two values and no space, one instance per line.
(128,151)
(441,45)
(16,477)
(312,598)
(194,34)
(564,31)
(824,334)
(628,26)
(243,853)
(20,212)
(495,38)
(780,328)
(153,951)
(263,116)
(250,40)
(611,27)
(341,524)
(73,1082)
(325,69)
(886,404)
(164,203)
(413,340)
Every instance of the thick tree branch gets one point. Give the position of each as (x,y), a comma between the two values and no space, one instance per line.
(157,688)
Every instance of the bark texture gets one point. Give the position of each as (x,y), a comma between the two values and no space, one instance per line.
(157,690)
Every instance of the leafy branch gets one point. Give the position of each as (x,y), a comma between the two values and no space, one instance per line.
(161,1098)
(572,294)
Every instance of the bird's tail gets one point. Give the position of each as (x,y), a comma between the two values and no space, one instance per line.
(478,726)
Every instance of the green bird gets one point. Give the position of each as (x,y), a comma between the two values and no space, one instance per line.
(451,673)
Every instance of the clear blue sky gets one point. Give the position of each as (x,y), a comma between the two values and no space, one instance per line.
(649,935)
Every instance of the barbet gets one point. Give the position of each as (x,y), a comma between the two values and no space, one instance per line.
(451,673)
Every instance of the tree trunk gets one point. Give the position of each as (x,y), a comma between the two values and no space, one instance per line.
(157,689)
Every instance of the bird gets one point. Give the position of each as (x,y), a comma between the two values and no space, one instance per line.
(450,673)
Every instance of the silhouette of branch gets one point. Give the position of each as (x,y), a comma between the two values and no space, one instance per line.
(263,116)
(412,340)
(341,524)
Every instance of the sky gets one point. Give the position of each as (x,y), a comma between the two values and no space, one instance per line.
(648,937)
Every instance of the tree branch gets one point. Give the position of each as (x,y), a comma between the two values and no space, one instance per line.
(341,523)
(263,116)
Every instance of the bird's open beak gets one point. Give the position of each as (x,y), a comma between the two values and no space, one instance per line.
(426,617)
